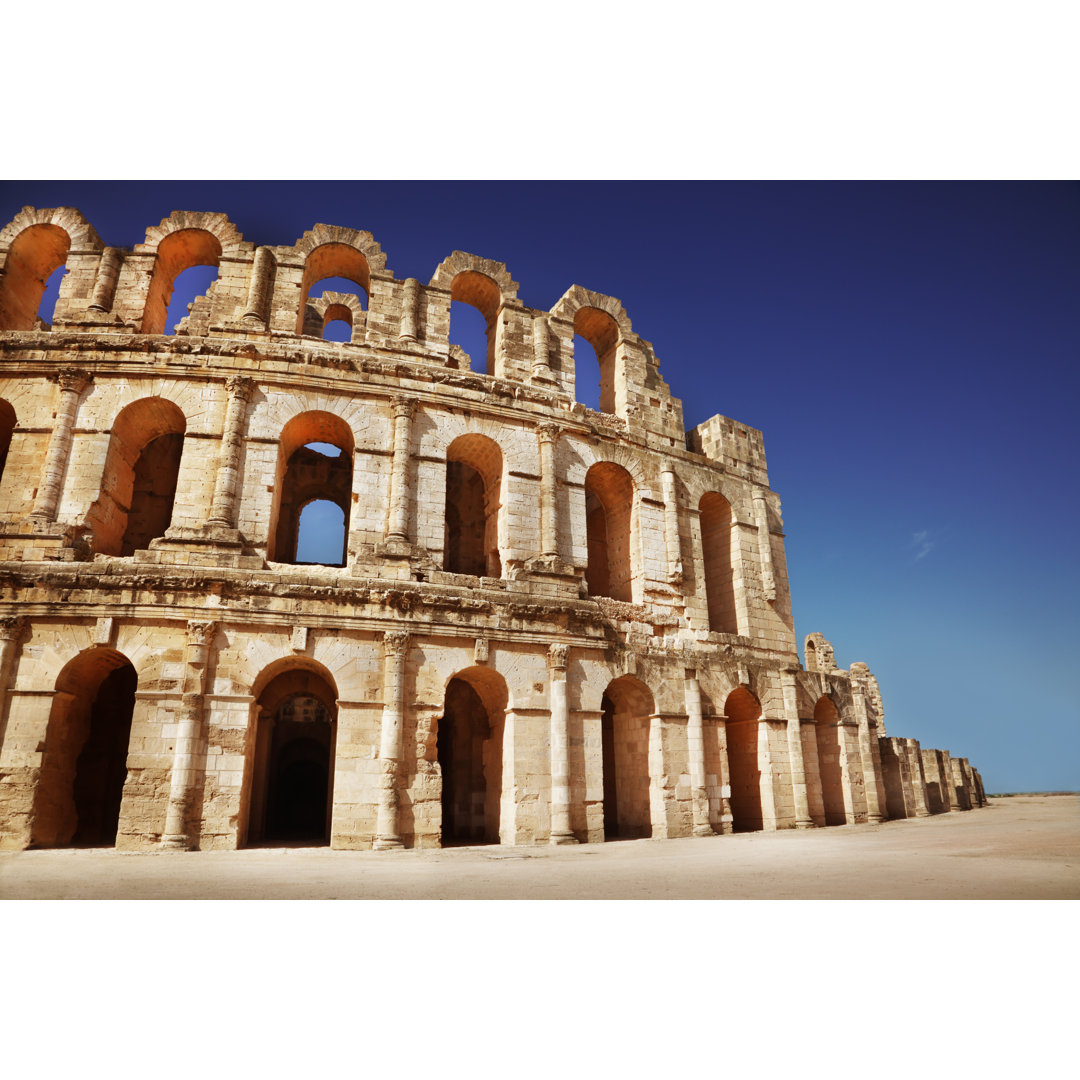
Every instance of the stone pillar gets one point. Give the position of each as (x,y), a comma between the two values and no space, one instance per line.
(671,526)
(13,631)
(223,508)
(72,383)
(875,813)
(541,368)
(105,284)
(558,655)
(803,820)
(185,766)
(409,302)
(391,739)
(257,308)
(400,496)
(695,744)
(549,523)
(761,518)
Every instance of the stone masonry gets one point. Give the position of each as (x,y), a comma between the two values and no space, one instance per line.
(547,624)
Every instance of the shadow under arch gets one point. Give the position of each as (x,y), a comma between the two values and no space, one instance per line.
(609,524)
(469,747)
(828,734)
(287,795)
(626,719)
(742,713)
(84,764)
(474,465)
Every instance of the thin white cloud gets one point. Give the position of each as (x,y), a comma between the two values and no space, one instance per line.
(922,541)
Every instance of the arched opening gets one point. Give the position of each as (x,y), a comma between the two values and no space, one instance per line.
(742,713)
(34,257)
(84,764)
(626,719)
(473,481)
(138,487)
(189,286)
(178,252)
(337,323)
(827,727)
(471,289)
(8,420)
(601,331)
(47,307)
(291,761)
(609,519)
(331,268)
(314,469)
(715,517)
(469,744)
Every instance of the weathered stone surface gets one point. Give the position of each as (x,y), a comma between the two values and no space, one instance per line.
(541,623)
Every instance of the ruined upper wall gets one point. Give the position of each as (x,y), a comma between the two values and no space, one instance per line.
(263,291)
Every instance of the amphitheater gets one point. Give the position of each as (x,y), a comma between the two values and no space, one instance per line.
(540,622)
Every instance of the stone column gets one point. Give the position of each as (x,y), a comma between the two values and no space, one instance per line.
(400,496)
(257,308)
(223,509)
(72,383)
(391,738)
(409,302)
(549,527)
(795,751)
(875,813)
(541,368)
(185,766)
(558,656)
(695,740)
(761,518)
(13,631)
(105,284)
(671,526)
(726,823)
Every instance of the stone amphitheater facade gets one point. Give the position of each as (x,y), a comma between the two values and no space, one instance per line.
(548,624)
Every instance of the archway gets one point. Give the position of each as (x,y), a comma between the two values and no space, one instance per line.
(626,719)
(609,520)
(827,729)
(35,254)
(8,421)
(292,762)
(84,765)
(473,481)
(601,331)
(469,744)
(715,518)
(177,252)
(742,713)
(478,291)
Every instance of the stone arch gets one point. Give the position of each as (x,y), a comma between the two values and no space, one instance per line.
(828,735)
(818,653)
(627,715)
(289,762)
(324,309)
(304,475)
(462,262)
(611,523)
(138,485)
(84,762)
(329,251)
(742,716)
(33,245)
(177,251)
(474,467)
(717,554)
(469,749)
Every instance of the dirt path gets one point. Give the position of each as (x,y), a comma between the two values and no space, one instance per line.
(1025,847)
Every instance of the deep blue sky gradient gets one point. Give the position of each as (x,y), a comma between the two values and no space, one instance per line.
(909,351)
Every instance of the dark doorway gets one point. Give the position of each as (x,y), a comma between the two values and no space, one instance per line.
(470,758)
(625,722)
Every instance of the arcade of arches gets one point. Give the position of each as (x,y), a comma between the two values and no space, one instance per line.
(265,588)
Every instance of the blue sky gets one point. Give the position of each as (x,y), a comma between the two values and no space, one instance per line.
(908,349)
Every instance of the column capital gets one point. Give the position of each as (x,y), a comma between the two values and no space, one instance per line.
(558,657)
(548,431)
(395,642)
(13,628)
(403,406)
(201,632)
(73,378)
(240,386)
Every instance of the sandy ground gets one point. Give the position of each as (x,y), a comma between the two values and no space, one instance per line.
(1024,847)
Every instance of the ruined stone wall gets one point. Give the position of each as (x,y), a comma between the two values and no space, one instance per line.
(625,664)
